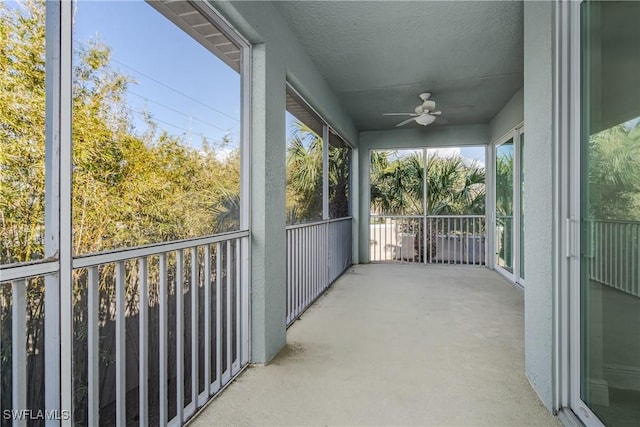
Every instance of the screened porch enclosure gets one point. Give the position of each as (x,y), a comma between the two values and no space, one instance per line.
(428,206)
(196,191)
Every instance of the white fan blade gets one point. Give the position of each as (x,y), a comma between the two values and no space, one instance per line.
(405,122)
(435,113)
(400,114)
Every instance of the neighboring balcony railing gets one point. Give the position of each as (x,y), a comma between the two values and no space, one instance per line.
(157,331)
(612,249)
(317,254)
(434,239)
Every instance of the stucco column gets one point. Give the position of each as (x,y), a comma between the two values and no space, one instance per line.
(538,191)
(268,244)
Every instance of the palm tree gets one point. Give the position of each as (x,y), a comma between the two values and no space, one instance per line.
(304,174)
(453,188)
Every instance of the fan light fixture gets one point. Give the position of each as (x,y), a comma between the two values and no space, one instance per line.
(425,119)
(424,114)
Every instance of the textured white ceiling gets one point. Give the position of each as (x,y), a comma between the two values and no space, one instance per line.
(379,55)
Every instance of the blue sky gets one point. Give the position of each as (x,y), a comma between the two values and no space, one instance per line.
(468,154)
(185,88)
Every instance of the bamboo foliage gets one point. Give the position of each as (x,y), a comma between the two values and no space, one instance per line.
(130,188)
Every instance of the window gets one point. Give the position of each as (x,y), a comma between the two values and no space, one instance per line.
(339,176)
(504,205)
(609,355)
(22,132)
(156,126)
(304,159)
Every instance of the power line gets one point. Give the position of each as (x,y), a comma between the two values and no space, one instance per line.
(168,86)
(180,127)
(180,112)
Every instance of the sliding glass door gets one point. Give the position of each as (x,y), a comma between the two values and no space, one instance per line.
(504,205)
(610,213)
(508,206)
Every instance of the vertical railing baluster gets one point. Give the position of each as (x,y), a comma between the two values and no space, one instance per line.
(296,269)
(315,260)
(238,277)
(307,258)
(448,240)
(304,272)
(244,277)
(19,347)
(309,249)
(180,335)
(195,288)
(218,316)
(121,361)
(379,237)
(308,268)
(442,257)
(93,345)
(637,262)
(432,239)
(614,258)
(298,265)
(466,250)
(454,259)
(163,336)
(207,319)
(143,332)
(312,262)
(625,263)
(228,311)
(599,251)
(413,244)
(289,268)
(476,239)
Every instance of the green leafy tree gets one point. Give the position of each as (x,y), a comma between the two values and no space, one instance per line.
(22,124)
(129,188)
(614,173)
(453,187)
(304,174)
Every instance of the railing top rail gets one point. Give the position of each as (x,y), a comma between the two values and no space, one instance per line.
(316,223)
(344,218)
(154,249)
(428,216)
(612,221)
(398,216)
(456,216)
(24,271)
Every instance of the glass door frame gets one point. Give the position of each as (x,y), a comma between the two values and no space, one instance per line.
(514,135)
(567,135)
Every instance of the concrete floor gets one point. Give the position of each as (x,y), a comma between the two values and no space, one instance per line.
(395,345)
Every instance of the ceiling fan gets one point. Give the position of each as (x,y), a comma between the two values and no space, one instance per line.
(424,114)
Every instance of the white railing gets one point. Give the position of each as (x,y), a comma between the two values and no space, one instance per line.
(613,254)
(157,331)
(434,239)
(317,254)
